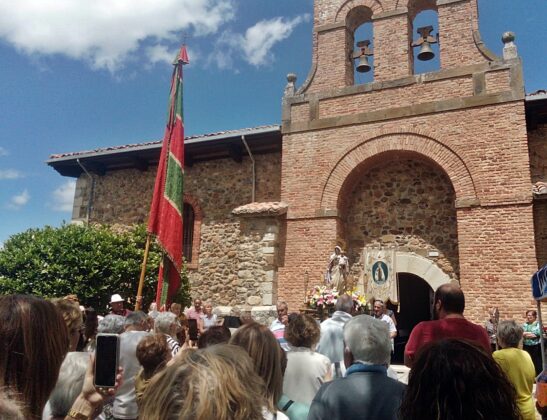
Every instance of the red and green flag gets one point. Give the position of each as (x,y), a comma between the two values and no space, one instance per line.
(167,203)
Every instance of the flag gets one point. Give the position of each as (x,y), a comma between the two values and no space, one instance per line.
(167,203)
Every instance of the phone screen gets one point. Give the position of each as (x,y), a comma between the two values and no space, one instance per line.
(193,329)
(106,360)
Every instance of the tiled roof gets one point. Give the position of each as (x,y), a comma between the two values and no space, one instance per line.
(538,94)
(540,188)
(157,143)
(273,208)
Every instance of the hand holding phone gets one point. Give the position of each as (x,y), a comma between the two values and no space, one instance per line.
(193,329)
(107,357)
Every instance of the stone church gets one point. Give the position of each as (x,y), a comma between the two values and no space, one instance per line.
(446,169)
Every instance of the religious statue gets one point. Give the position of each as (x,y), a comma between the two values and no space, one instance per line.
(338,270)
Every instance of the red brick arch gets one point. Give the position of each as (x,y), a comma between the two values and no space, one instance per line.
(385,145)
(198,218)
(343,11)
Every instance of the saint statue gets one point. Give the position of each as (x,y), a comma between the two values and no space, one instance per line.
(338,270)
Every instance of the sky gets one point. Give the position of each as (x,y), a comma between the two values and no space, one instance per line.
(77,75)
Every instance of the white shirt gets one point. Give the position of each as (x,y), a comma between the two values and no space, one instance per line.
(125,402)
(305,373)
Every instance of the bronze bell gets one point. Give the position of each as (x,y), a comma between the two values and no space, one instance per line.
(426,52)
(362,53)
(363,65)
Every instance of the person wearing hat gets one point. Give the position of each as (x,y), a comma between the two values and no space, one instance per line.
(116,303)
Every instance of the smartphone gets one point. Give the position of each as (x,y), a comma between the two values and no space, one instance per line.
(107,355)
(193,329)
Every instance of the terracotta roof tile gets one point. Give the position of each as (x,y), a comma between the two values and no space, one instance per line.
(273,208)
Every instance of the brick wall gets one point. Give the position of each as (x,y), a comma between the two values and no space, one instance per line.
(497,259)
(393,32)
(490,145)
(396,97)
(497,81)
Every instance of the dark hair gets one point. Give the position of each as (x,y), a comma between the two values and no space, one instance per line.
(451,297)
(455,380)
(260,343)
(153,353)
(532,312)
(91,323)
(302,331)
(217,334)
(33,343)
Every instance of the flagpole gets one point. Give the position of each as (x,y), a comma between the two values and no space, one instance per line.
(143,273)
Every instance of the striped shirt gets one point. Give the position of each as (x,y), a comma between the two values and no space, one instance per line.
(173,345)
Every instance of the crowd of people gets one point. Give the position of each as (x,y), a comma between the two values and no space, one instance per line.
(192,364)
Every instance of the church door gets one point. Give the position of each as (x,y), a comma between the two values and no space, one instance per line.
(415,297)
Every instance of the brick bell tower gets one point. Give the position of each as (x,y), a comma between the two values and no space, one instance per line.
(434,164)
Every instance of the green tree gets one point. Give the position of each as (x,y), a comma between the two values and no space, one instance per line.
(91,261)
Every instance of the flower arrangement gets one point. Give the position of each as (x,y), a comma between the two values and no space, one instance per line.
(320,296)
(326,297)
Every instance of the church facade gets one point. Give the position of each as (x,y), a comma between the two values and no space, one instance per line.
(444,171)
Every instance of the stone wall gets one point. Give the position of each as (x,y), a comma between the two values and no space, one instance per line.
(219,186)
(237,264)
(235,261)
(407,204)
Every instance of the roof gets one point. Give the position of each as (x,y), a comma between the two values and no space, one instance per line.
(223,144)
(273,208)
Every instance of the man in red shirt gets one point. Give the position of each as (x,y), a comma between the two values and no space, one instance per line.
(449,323)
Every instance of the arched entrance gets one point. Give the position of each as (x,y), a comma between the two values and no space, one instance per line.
(415,296)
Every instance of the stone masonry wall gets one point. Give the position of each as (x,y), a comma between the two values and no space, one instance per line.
(236,268)
(235,265)
(407,204)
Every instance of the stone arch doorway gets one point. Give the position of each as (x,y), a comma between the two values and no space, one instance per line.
(415,295)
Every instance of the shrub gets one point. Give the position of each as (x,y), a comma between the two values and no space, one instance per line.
(90,261)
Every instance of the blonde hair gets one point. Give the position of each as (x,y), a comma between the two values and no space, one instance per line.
(266,354)
(203,385)
(71,313)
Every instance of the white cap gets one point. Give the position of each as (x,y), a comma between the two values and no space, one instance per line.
(116,298)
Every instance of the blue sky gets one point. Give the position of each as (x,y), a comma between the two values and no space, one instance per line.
(76,75)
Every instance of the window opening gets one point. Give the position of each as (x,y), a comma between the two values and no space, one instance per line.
(187,231)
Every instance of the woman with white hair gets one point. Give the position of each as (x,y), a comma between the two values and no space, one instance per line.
(111,324)
(167,323)
(517,365)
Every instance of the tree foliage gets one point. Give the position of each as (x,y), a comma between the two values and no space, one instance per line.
(91,261)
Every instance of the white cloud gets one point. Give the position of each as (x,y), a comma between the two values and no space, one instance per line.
(3,152)
(260,38)
(105,33)
(19,200)
(63,197)
(10,174)
(256,45)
